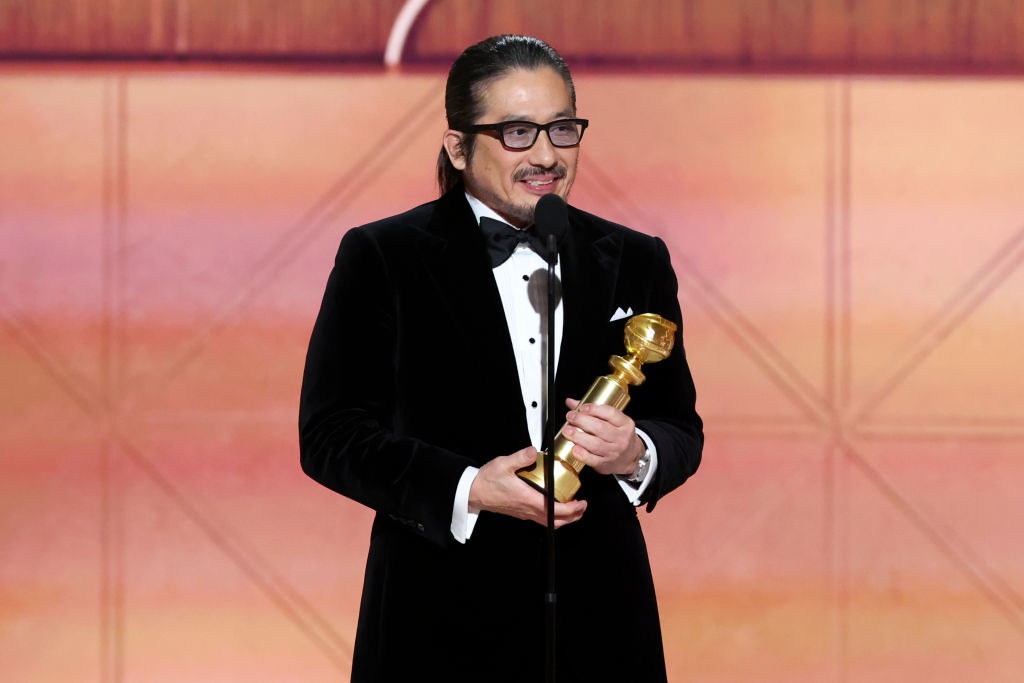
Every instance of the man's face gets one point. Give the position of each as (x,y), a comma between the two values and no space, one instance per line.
(511,181)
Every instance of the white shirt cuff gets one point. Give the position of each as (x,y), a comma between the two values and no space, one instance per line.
(634,490)
(464,517)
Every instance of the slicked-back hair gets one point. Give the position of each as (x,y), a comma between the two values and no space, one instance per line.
(473,71)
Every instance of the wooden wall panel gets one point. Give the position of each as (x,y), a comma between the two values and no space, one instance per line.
(350,30)
(85,27)
(786,34)
(346,29)
(808,35)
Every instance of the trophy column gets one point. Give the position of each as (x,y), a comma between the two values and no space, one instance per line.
(648,338)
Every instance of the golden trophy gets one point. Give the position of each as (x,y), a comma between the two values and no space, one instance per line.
(649,338)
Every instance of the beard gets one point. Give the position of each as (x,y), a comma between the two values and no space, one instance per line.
(519,215)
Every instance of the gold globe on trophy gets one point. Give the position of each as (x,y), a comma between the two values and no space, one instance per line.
(649,338)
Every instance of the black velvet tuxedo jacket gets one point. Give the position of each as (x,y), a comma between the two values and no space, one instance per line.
(410,378)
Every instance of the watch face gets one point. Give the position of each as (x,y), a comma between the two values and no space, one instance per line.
(641,468)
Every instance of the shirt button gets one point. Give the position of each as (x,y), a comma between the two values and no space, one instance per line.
(532,340)
(534,404)
(526,278)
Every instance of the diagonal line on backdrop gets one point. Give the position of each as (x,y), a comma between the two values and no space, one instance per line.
(252,565)
(991,586)
(749,339)
(260,571)
(76,387)
(283,252)
(746,336)
(949,317)
(298,235)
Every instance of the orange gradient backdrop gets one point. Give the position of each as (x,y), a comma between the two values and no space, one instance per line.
(849,255)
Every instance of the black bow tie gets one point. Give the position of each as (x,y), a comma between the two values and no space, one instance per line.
(502,239)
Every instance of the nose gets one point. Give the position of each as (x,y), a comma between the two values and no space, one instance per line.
(543,153)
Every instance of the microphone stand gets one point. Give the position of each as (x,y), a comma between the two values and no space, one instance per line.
(551,595)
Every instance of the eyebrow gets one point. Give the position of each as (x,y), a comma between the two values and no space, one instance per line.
(564,114)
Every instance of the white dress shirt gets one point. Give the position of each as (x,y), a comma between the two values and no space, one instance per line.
(521,284)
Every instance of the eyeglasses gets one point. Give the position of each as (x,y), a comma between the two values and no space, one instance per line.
(523,134)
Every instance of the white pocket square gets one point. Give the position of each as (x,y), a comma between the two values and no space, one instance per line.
(619,314)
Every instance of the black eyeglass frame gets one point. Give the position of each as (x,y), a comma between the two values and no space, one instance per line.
(499,128)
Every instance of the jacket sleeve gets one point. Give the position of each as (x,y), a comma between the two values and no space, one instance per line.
(665,408)
(348,402)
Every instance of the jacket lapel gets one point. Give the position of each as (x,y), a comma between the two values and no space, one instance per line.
(590,269)
(481,349)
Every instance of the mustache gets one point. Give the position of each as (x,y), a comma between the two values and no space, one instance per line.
(522,174)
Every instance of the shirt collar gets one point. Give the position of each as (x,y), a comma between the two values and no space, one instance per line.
(481,210)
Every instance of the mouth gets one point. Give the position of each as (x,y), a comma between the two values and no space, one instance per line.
(541,183)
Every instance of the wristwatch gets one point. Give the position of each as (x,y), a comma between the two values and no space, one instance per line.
(641,469)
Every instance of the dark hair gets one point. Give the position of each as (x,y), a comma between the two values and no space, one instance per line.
(469,77)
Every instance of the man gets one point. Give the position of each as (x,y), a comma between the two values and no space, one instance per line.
(422,397)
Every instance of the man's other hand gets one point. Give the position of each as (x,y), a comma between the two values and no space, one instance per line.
(605,438)
(497,488)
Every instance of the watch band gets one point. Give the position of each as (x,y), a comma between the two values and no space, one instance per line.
(641,468)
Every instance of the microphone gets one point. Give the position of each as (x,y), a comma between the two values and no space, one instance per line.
(551,221)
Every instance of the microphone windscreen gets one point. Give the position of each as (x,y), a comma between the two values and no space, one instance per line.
(551,216)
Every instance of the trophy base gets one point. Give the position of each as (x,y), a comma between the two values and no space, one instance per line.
(567,480)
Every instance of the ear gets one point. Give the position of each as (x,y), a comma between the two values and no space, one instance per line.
(452,142)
